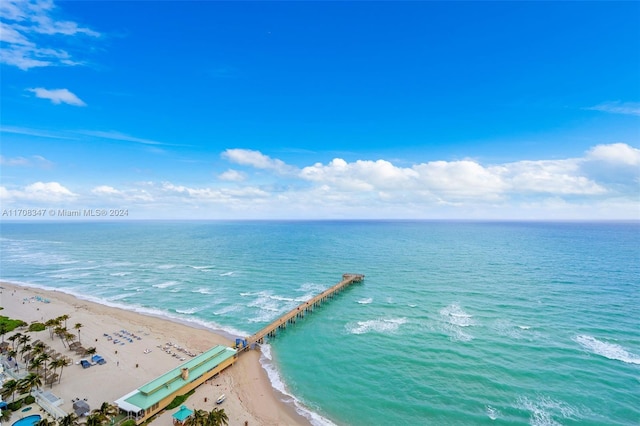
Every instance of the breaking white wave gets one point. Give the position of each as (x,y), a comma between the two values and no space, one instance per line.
(492,412)
(202,291)
(365,301)
(455,320)
(166,284)
(227,274)
(545,411)
(377,326)
(169,266)
(607,350)
(277,383)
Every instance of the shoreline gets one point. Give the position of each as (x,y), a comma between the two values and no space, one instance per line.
(251,398)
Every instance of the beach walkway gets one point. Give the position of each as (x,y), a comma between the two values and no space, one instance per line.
(299,312)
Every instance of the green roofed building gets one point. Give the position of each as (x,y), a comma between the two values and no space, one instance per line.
(154,396)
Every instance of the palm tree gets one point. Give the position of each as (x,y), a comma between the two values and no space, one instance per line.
(78,326)
(69,420)
(197,418)
(24,349)
(61,333)
(64,318)
(32,380)
(51,324)
(91,351)
(44,357)
(9,388)
(107,410)
(95,419)
(13,339)
(69,337)
(5,415)
(217,418)
(59,363)
(3,330)
(35,364)
(24,339)
(46,422)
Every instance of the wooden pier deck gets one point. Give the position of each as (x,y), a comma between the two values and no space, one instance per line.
(300,311)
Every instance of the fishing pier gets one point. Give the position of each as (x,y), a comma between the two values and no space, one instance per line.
(299,312)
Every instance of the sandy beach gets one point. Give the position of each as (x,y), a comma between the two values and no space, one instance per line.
(250,398)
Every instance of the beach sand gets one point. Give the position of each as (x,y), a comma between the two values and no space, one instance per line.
(250,399)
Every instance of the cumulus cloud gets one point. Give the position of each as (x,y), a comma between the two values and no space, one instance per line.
(247,157)
(58,96)
(627,108)
(131,194)
(33,36)
(602,183)
(232,176)
(617,153)
(39,192)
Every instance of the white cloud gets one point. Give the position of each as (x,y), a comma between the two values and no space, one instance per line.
(617,153)
(256,159)
(39,192)
(29,28)
(604,183)
(117,136)
(33,161)
(627,108)
(58,96)
(232,176)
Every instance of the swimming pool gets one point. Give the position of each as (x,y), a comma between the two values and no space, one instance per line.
(28,421)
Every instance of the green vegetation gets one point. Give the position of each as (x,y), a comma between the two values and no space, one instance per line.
(178,400)
(129,422)
(37,326)
(7,324)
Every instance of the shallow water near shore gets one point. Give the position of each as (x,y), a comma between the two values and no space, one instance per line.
(455,323)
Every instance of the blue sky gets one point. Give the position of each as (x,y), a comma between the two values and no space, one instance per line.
(322,110)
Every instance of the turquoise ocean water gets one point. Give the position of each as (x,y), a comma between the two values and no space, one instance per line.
(456,323)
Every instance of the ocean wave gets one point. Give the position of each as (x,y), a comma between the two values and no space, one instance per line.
(382,325)
(227,274)
(492,413)
(454,320)
(167,266)
(545,411)
(201,268)
(266,361)
(365,301)
(202,290)
(607,350)
(166,284)
(311,288)
(189,311)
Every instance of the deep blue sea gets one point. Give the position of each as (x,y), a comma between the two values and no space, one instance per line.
(456,323)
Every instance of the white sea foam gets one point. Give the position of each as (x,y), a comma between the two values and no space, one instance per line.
(168,266)
(545,411)
(607,350)
(120,274)
(266,360)
(381,325)
(202,290)
(365,301)
(227,274)
(227,310)
(189,311)
(166,284)
(411,305)
(202,268)
(492,412)
(311,288)
(454,321)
